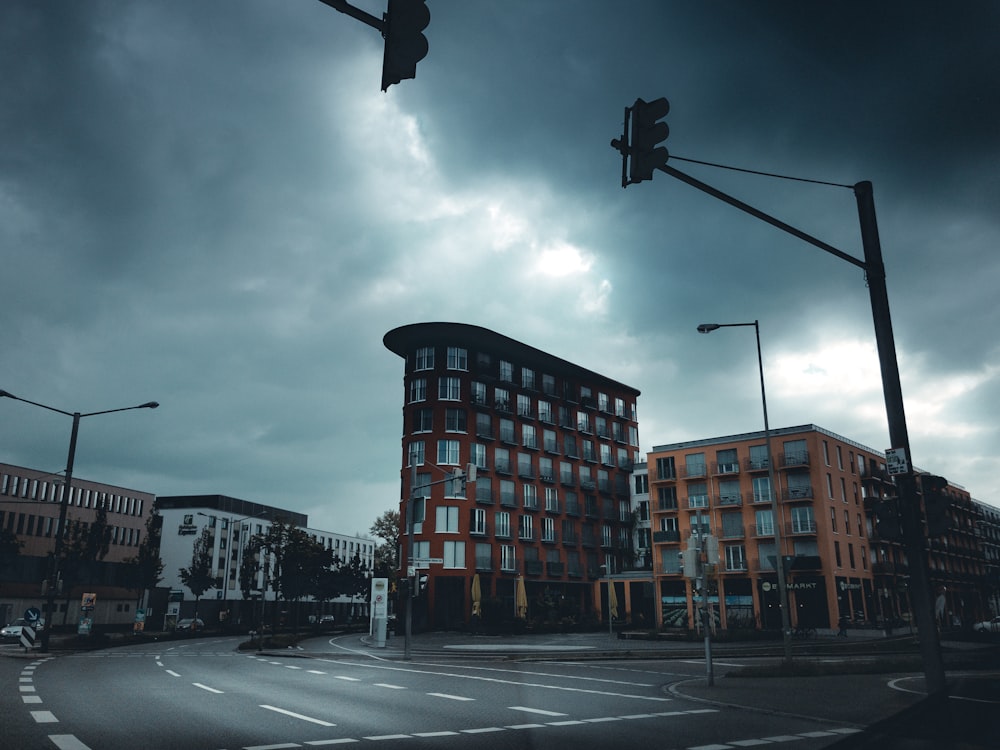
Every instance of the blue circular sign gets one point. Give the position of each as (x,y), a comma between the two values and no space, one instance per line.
(32,614)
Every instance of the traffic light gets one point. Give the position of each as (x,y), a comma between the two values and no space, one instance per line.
(887,523)
(405,44)
(647,132)
(936,504)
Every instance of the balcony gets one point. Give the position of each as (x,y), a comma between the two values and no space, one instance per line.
(724,468)
(798,528)
(731,500)
(502,466)
(793,459)
(556,569)
(756,464)
(666,537)
(797,493)
(533,567)
(484,495)
(484,564)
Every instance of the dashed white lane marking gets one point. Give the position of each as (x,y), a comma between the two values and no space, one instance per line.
(341,741)
(31,699)
(347,679)
(172,673)
(206,687)
(315,671)
(294,715)
(67,742)
(390,686)
(44,717)
(435,734)
(377,737)
(483,730)
(541,711)
(26,688)
(451,697)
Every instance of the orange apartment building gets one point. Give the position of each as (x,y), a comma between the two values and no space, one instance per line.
(721,486)
(837,564)
(553,444)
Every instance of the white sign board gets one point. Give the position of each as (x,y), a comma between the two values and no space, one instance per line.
(896,462)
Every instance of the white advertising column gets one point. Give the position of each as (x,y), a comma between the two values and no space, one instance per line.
(380,609)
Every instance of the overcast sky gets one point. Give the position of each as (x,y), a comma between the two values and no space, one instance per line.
(213,205)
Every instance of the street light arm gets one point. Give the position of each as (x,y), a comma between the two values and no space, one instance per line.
(8,394)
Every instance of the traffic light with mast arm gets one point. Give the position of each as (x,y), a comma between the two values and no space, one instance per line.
(639,144)
(402,27)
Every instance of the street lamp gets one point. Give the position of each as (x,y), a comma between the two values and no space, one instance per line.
(64,501)
(786,629)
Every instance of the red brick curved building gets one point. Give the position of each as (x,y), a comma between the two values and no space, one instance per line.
(553,444)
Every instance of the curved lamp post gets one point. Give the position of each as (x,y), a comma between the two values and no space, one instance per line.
(786,628)
(64,501)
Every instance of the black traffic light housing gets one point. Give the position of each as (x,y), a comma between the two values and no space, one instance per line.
(405,44)
(639,145)
(887,522)
(936,504)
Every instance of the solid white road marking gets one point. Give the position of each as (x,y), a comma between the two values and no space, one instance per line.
(294,715)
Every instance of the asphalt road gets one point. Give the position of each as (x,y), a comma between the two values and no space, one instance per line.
(203,693)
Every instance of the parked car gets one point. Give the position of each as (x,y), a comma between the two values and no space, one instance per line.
(988,626)
(190,625)
(13,631)
(327,620)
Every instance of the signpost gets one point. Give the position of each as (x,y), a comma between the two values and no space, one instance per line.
(31,616)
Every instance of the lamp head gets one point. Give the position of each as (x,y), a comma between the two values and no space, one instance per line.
(7,394)
(149,405)
(708,327)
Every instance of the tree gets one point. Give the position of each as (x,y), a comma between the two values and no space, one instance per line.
(386,528)
(145,570)
(198,577)
(10,548)
(85,545)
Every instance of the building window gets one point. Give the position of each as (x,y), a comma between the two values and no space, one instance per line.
(446,519)
(619,407)
(478,524)
(417,453)
(530,496)
(602,402)
(802,520)
(524,466)
(524,406)
(423,420)
(525,528)
(454,420)
(507,431)
(833,520)
(501,522)
(548,384)
(528,436)
(454,554)
(545,411)
(548,529)
(478,395)
(448,452)
(583,421)
(502,399)
(507,496)
(424,359)
(764,522)
(665,468)
(550,441)
(484,426)
(458,358)
(694,464)
(762,489)
(836,553)
(501,460)
(449,389)
(506,371)
(735,557)
(641,482)
(508,561)
(418,389)
(697,495)
(552,499)
(478,455)
(527,378)
(545,469)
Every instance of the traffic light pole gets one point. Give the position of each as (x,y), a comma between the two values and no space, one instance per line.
(874,268)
